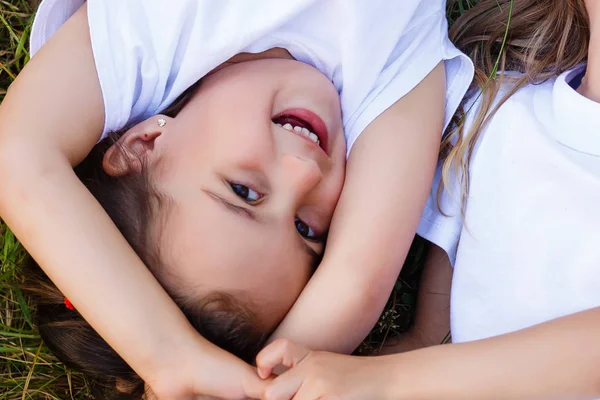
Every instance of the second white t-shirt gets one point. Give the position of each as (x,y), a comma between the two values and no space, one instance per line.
(147,52)
(528,250)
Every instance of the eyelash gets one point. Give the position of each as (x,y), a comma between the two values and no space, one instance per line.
(298,223)
(243,192)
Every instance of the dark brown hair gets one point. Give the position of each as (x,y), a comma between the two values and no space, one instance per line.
(132,202)
(543,39)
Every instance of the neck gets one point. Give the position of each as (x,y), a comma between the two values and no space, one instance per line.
(590,85)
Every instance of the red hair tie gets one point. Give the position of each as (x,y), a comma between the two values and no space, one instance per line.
(69,305)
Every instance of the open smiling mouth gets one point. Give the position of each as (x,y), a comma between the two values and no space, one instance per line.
(304,123)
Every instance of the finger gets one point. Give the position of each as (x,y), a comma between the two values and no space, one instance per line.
(280,352)
(305,394)
(255,387)
(284,387)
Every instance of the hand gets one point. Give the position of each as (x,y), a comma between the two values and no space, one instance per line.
(207,372)
(321,375)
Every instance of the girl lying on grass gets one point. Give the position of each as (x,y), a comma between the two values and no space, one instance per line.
(525,313)
(227,197)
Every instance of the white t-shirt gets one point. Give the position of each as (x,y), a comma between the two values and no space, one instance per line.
(530,249)
(147,52)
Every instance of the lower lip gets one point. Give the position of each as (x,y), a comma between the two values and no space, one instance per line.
(319,127)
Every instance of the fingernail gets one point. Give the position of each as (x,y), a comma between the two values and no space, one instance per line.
(263,374)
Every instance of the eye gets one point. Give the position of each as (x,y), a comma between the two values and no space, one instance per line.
(245,193)
(306,231)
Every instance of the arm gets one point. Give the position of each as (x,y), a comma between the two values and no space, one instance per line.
(557,359)
(50,119)
(388,178)
(553,360)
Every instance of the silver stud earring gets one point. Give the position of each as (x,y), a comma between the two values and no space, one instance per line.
(162,122)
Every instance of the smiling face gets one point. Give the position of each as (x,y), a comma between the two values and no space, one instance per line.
(254,166)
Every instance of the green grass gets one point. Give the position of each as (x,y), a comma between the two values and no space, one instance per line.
(457,7)
(27,368)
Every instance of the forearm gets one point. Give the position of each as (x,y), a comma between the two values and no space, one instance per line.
(70,236)
(388,178)
(345,297)
(554,360)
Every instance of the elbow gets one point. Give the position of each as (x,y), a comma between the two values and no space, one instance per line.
(14,160)
(11,175)
(11,160)
(22,165)
(20,158)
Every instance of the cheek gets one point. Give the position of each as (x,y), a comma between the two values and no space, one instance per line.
(185,153)
(297,277)
(228,147)
(283,293)
(333,192)
(285,279)
(282,272)
(208,250)
(300,278)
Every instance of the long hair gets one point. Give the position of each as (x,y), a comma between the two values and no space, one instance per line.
(539,38)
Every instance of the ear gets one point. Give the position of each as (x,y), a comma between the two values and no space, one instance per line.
(137,144)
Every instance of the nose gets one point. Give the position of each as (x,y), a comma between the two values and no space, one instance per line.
(300,176)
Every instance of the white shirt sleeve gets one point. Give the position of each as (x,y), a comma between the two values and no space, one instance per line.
(442,227)
(49,17)
(442,222)
(145,58)
(422,45)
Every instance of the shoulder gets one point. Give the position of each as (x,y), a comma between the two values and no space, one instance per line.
(49,17)
(510,97)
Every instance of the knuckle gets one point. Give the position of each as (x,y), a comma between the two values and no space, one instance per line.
(282,344)
(286,344)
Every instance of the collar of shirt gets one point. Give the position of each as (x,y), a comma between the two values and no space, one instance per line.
(575,119)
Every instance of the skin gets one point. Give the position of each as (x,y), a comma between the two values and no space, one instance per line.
(72,238)
(374,223)
(215,238)
(553,360)
(87,255)
(590,85)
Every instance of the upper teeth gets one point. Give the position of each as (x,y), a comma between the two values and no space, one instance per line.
(303,131)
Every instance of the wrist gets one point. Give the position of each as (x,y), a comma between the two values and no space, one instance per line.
(418,374)
(382,375)
(200,367)
(393,370)
(175,358)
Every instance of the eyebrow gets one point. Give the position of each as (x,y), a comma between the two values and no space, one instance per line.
(250,214)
